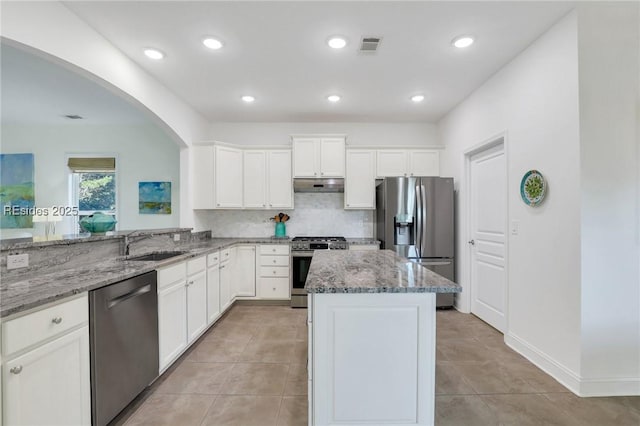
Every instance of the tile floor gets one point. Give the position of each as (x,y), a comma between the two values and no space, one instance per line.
(249,369)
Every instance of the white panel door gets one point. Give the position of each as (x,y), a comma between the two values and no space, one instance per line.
(360,180)
(225,286)
(228,177)
(172,322)
(424,163)
(196,305)
(279,179)
(50,385)
(305,157)
(332,157)
(254,184)
(391,162)
(213,294)
(488,209)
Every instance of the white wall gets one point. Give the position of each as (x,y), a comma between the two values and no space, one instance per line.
(144,153)
(358,134)
(314,214)
(78,46)
(534,100)
(608,48)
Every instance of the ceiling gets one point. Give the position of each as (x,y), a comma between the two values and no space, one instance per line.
(277,52)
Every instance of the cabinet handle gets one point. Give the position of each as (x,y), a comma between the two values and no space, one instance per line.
(221,266)
(56,320)
(226,254)
(274,289)
(274,261)
(218,204)
(348,205)
(16,370)
(274,272)
(264,205)
(322,174)
(190,283)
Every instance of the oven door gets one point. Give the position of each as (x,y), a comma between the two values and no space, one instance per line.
(301,261)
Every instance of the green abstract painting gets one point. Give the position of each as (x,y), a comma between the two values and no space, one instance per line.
(17,197)
(154,197)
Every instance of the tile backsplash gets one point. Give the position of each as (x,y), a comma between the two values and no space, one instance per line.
(313,214)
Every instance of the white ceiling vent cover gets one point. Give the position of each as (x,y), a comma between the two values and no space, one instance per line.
(370,44)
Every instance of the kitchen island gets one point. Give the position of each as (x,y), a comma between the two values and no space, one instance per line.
(372,334)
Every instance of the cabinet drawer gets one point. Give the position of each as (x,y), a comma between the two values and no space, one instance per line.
(275,271)
(37,326)
(225,254)
(196,265)
(274,260)
(275,249)
(213,258)
(274,288)
(171,274)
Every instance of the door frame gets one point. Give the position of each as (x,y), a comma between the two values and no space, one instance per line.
(465,251)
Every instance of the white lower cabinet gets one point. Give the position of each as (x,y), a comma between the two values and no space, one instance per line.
(227,260)
(47,381)
(243,283)
(394,384)
(197,304)
(172,322)
(213,287)
(273,281)
(182,307)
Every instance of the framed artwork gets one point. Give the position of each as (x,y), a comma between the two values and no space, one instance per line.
(17,195)
(154,197)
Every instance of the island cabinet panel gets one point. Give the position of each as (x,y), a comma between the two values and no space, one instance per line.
(373,358)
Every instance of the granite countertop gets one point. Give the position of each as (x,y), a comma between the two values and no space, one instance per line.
(362,241)
(23,293)
(380,271)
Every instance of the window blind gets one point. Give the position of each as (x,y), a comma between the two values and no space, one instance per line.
(96,164)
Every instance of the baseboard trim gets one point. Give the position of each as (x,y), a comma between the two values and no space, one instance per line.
(564,375)
(614,386)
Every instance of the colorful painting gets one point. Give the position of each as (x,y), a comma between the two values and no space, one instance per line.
(17,197)
(154,197)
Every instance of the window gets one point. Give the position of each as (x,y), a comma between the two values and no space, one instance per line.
(93,186)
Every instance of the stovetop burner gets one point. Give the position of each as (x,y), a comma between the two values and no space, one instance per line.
(318,243)
(319,239)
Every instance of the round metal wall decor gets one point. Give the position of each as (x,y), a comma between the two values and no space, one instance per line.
(533,188)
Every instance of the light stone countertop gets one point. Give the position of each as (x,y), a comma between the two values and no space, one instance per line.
(23,293)
(380,271)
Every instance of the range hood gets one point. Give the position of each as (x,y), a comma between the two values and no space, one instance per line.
(318,185)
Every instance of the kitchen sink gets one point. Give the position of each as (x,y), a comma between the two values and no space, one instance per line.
(156,256)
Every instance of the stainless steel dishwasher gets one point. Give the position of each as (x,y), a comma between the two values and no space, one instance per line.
(123,330)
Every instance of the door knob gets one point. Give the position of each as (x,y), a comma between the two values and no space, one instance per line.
(57,320)
(472,242)
(16,370)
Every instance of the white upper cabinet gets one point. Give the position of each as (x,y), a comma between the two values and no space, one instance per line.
(424,163)
(391,162)
(359,189)
(255,188)
(279,182)
(318,157)
(267,179)
(228,177)
(407,162)
(305,157)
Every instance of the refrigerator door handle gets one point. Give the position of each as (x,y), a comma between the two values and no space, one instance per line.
(423,218)
(418,221)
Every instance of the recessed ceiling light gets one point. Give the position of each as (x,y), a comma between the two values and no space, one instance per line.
(154,53)
(417,98)
(333,98)
(462,42)
(337,42)
(212,43)
(248,98)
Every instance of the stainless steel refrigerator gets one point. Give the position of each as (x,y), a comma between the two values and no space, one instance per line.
(414,218)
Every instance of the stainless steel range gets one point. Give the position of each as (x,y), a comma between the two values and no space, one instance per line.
(302,249)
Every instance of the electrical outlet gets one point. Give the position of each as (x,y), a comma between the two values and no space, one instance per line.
(515,227)
(17,261)
(176,237)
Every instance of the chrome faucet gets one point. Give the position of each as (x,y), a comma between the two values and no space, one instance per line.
(129,239)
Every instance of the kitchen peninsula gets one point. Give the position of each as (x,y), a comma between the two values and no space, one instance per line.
(372,336)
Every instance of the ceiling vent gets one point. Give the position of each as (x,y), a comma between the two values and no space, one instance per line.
(370,44)
(74,117)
